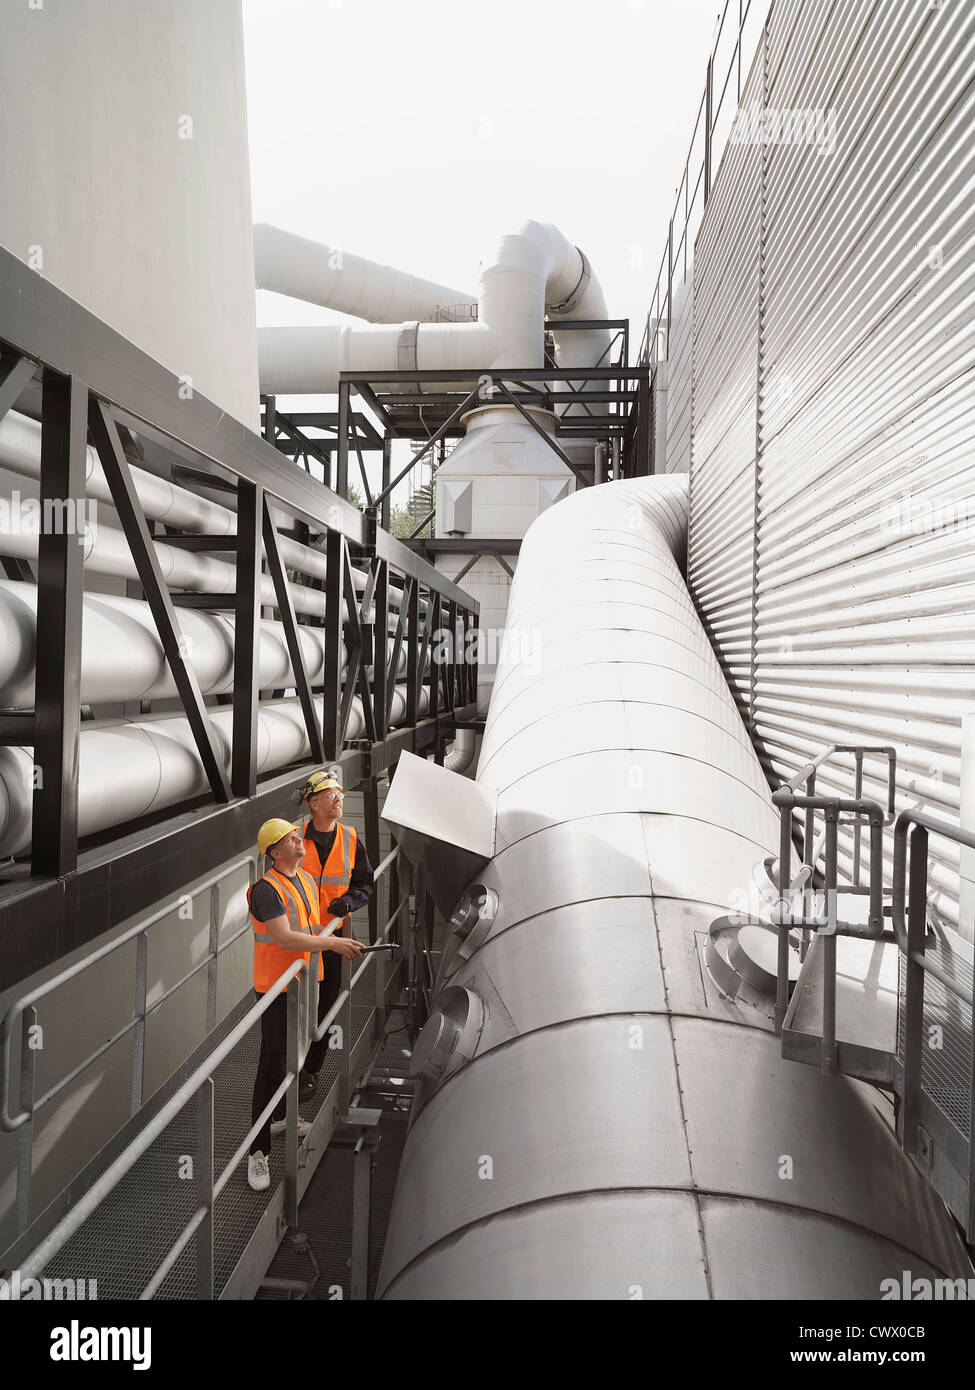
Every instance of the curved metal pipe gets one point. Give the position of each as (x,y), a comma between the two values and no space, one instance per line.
(294,265)
(532,270)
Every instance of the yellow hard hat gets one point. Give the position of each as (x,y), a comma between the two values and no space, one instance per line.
(271,832)
(317,782)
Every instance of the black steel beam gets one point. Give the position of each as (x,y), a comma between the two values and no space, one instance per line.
(60,587)
(282,592)
(126,500)
(13,378)
(17,569)
(464,374)
(543,435)
(447,545)
(247,627)
(41,321)
(334,562)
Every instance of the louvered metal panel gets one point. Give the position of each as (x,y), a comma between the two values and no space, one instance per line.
(865,603)
(679,356)
(726,321)
(856,623)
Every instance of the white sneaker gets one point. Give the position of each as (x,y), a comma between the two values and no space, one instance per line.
(258,1172)
(279,1126)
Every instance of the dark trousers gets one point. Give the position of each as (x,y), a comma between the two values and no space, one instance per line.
(273,1061)
(271,1067)
(328,992)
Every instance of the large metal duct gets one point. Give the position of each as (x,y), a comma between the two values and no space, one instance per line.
(336,279)
(596,1119)
(533,271)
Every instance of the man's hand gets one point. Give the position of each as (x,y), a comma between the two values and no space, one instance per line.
(339,907)
(346,947)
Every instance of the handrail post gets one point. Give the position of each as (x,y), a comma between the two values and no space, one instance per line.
(139,1039)
(345,1023)
(829,1050)
(291,1113)
(204,1189)
(914,990)
(25,1138)
(857,825)
(785,876)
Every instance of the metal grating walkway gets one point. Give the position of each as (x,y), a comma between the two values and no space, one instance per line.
(132,1230)
(325,1215)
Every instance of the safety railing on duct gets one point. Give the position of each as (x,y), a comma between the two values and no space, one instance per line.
(930,1064)
(172,1215)
(334,581)
(736,38)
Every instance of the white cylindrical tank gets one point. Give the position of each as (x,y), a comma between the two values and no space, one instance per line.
(124,176)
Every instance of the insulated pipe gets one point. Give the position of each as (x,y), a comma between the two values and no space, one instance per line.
(532,270)
(106,551)
(294,265)
(20,452)
(645,1136)
(122,657)
(131,768)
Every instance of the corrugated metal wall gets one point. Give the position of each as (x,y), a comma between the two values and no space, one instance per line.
(722,517)
(853,208)
(678,456)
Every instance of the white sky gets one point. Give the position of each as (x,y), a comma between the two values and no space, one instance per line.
(413,132)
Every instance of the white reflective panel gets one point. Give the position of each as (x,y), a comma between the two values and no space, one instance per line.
(766,1128)
(756,1251)
(611,1245)
(583,1105)
(576,962)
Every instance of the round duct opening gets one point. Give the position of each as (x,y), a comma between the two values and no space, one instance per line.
(448,1038)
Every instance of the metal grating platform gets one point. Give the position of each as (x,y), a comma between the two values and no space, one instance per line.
(129,1234)
(325,1214)
(947,1029)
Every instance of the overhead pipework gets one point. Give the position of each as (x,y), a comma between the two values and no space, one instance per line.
(336,279)
(642,1130)
(533,272)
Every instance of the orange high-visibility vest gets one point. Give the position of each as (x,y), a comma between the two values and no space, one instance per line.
(334,876)
(270,959)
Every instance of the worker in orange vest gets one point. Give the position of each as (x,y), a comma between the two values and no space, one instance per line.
(337,861)
(285,917)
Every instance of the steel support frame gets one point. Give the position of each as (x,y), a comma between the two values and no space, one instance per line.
(94,378)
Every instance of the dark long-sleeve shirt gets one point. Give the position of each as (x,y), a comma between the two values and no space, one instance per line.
(360,883)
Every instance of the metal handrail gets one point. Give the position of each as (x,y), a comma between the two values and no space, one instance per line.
(787,799)
(23,1011)
(301,984)
(923,823)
